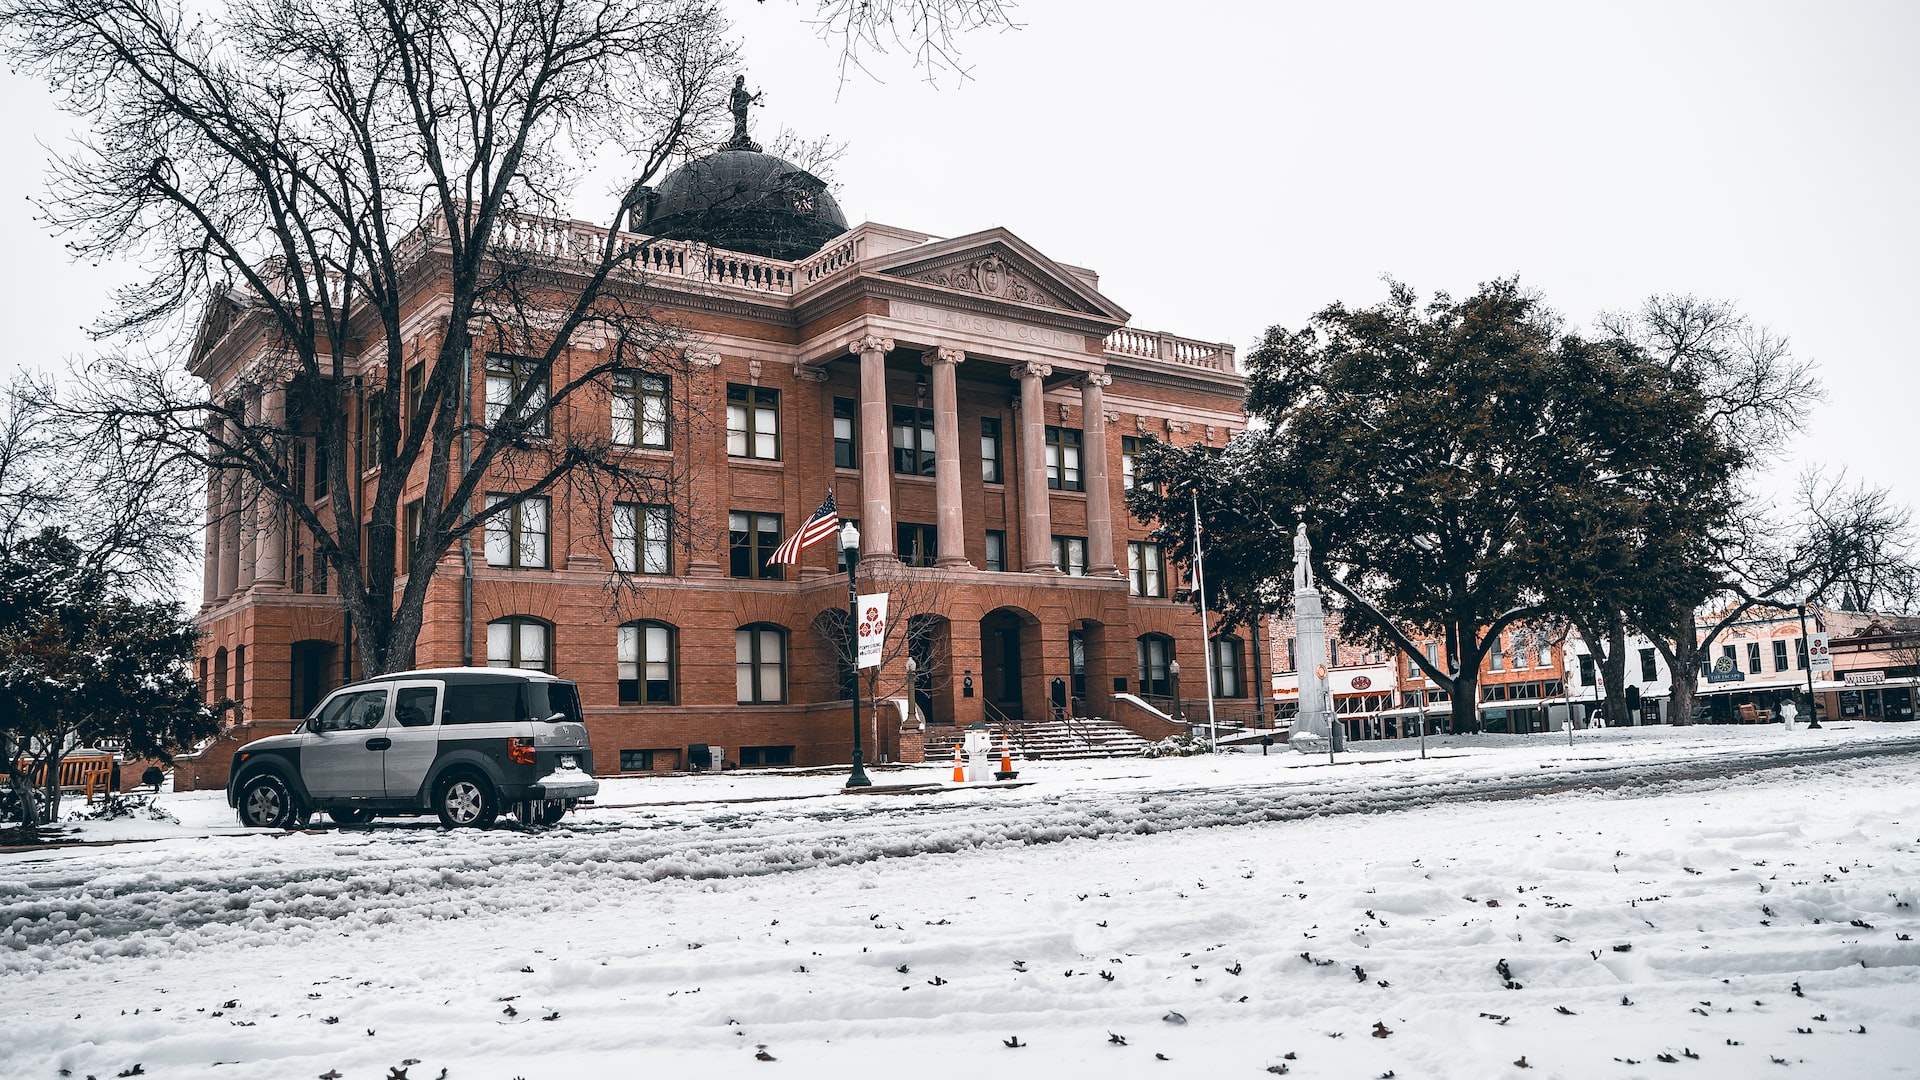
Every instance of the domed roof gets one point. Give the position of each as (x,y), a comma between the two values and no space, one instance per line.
(742,200)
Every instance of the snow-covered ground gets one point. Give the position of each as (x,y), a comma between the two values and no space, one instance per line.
(1741,901)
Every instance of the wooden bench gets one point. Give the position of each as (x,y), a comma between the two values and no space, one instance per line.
(1753,714)
(80,775)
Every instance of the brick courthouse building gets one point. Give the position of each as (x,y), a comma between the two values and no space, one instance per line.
(973,404)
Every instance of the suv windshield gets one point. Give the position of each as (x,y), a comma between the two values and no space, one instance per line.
(557,701)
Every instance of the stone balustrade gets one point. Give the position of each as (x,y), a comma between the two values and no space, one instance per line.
(1169,348)
(830,260)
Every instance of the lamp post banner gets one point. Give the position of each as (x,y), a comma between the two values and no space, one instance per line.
(872,631)
(1819,653)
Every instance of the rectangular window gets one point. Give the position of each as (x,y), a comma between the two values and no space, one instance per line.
(506,377)
(990,450)
(322,470)
(1780,655)
(416,513)
(1753,658)
(1292,664)
(1333,652)
(918,545)
(1146,571)
(1587,670)
(1226,667)
(996,551)
(639,410)
(416,398)
(765,756)
(646,664)
(641,539)
(753,422)
(1800,650)
(1649,667)
(1129,450)
(1546,651)
(1495,660)
(912,440)
(1063,459)
(1433,653)
(845,423)
(518,538)
(1519,652)
(371,419)
(636,761)
(1070,554)
(752,538)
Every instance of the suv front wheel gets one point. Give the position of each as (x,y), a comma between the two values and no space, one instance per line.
(465,800)
(267,803)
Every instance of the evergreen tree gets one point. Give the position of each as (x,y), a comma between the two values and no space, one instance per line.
(81,663)
(1462,466)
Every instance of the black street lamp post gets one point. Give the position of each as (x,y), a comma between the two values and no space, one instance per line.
(850,546)
(1806,647)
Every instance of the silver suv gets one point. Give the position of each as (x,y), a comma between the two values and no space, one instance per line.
(461,742)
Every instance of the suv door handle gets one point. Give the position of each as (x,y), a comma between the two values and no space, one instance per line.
(379,744)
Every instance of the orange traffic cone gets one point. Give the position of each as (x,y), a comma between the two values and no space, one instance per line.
(1006,756)
(959,771)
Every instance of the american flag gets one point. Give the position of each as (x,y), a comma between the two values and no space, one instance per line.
(824,523)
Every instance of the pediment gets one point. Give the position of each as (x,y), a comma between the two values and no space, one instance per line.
(998,265)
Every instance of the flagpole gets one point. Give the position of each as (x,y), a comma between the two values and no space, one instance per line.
(1206,644)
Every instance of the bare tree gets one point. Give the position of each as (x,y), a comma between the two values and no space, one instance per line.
(928,29)
(294,173)
(1843,544)
(916,596)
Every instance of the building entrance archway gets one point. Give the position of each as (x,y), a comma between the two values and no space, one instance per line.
(1007,635)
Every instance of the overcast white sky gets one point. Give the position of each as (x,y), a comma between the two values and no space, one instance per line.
(1228,166)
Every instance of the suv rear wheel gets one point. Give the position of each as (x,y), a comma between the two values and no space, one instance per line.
(465,800)
(267,803)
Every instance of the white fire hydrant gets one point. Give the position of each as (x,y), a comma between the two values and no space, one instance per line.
(979,751)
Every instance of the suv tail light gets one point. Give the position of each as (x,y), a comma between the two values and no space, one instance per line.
(520,751)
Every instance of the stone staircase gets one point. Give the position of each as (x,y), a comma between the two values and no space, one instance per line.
(1047,740)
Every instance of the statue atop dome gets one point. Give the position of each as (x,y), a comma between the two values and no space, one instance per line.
(738,102)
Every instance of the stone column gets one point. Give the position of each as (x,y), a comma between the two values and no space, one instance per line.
(876,448)
(951,522)
(228,482)
(1093,468)
(1036,511)
(705,527)
(210,585)
(269,561)
(247,506)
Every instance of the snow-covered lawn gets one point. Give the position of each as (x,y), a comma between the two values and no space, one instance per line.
(1662,899)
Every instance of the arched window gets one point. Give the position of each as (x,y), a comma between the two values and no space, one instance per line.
(1155,651)
(220,674)
(647,664)
(1226,668)
(760,664)
(520,641)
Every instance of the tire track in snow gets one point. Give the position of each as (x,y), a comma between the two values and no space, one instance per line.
(60,911)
